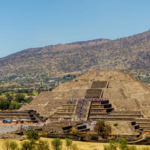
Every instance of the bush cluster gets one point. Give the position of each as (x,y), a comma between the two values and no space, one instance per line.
(35,143)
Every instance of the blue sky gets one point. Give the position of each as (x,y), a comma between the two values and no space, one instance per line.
(36,23)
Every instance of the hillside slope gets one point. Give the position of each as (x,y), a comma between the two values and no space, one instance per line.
(121,54)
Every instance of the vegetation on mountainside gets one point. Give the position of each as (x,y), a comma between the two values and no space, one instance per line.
(122,54)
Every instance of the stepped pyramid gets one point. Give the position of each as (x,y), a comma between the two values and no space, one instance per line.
(123,91)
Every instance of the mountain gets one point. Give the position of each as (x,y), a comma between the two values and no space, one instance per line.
(127,53)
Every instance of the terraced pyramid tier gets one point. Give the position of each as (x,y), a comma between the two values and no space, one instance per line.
(124,92)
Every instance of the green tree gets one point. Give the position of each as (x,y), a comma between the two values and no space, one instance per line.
(43,145)
(57,144)
(18,106)
(19,98)
(6,144)
(26,145)
(74,147)
(30,92)
(29,99)
(113,144)
(123,143)
(32,135)
(4,104)
(50,89)
(68,142)
(12,105)
(13,145)
(7,94)
(9,98)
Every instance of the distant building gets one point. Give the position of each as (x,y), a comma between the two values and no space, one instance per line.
(50,81)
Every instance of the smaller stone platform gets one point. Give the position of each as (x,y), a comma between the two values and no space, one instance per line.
(21,116)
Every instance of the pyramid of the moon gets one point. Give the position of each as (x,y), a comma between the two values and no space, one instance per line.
(123,91)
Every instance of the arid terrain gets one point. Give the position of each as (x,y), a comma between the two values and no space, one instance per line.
(127,53)
(81,145)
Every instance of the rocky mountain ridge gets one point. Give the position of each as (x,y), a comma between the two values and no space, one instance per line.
(101,54)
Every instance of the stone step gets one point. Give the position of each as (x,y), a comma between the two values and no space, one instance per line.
(136,126)
(99,84)
(138,120)
(93,93)
(146,128)
(71,102)
(102,110)
(98,113)
(85,130)
(14,114)
(126,112)
(65,110)
(13,117)
(123,116)
(66,113)
(81,127)
(144,123)
(64,117)
(68,105)
(23,112)
(111,119)
(101,105)
(100,102)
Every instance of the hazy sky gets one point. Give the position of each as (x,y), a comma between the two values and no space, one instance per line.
(36,23)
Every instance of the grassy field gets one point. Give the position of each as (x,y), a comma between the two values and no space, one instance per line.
(81,145)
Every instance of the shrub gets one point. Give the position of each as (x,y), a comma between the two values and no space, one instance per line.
(113,144)
(99,127)
(56,144)
(6,144)
(13,145)
(144,148)
(107,131)
(10,144)
(68,142)
(14,105)
(29,99)
(123,144)
(116,124)
(4,104)
(32,135)
(43,145)
(81,137)
(19,98)
(74,147)
(9,98)
(18,106)
(26,145)
(131,148)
